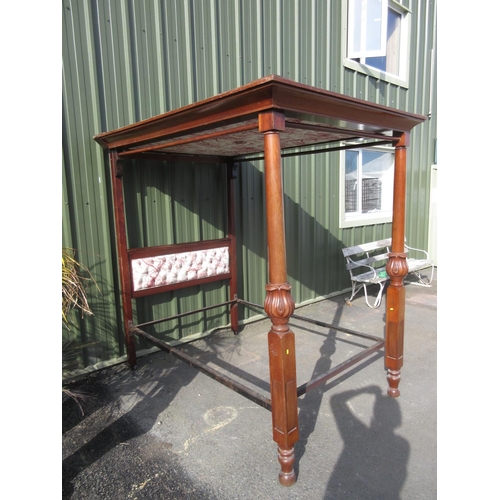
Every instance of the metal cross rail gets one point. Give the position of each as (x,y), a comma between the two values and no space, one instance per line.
(237,386)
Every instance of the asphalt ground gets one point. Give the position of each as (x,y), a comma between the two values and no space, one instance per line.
(167,431)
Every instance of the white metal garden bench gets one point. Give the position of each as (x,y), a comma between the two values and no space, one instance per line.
(366,265)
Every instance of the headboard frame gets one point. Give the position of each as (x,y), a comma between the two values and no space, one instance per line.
(171,267)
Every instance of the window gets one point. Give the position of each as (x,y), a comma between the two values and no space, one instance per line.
(367,178)
(377,38)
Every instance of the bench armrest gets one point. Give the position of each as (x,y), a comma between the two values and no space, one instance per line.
(356,265)
(418,250)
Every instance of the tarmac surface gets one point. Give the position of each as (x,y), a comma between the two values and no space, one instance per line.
(167,431)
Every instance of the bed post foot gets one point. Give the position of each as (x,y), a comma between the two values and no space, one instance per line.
(287,474)
(130,344)
(395,312)
(279,306)
(393,378)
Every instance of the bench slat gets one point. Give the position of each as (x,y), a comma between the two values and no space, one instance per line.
(418,264)
(368,277)
(368,261)
(367,247)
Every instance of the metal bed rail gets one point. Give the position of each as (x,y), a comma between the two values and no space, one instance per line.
(237,386)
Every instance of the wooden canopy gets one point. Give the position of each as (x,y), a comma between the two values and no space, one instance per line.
(230,124)
(264,119)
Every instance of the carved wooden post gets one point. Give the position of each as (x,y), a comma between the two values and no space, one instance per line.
(279,304)
(121,238)
(397,269)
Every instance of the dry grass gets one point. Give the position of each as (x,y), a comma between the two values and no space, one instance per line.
(75,278)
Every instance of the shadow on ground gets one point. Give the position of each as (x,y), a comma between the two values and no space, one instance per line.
(114,408)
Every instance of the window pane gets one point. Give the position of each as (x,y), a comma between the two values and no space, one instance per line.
(393,42)
(355,24)
(378,175)
(367,30)
(374,16)
(371,194)
(375,163)
(389,62)
(377,62)
(351,181)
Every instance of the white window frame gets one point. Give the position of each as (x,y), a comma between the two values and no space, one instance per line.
(402,78)
(359,12)
(347,220)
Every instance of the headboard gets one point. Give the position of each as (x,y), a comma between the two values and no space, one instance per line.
(171,267)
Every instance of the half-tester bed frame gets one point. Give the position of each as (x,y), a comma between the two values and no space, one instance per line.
(268,119)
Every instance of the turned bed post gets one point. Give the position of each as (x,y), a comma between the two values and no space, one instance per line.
(397,269)
(279,304)
(123,264)
(233,282)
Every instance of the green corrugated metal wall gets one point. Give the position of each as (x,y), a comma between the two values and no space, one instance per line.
(126,60)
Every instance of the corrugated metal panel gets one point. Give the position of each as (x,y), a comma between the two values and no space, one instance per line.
(251,233)
(423,101)
(126,60)
(86,219)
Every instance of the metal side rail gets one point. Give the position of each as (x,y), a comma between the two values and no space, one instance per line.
(242,389)
(336,370)
(202,367)
(345,365)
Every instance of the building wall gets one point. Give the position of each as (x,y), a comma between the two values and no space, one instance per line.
(126,60)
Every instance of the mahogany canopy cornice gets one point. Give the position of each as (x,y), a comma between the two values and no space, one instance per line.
(227,125)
